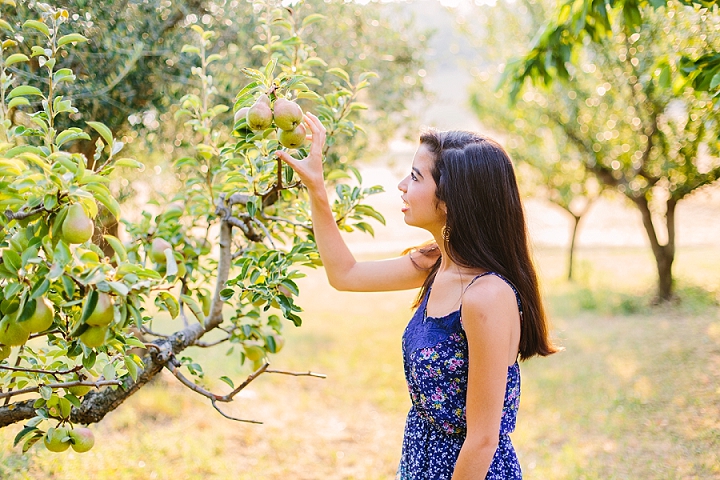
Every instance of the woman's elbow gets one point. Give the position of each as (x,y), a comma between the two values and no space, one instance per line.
(339,284)
(480,443)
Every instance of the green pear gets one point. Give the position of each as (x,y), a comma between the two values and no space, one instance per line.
(77,226)
(81,439)
(241,114)
(57,439)
(4,352)
(103,313)
(259,116)
(79,390)
(94,337)
(254,353)
(157,250)
(293,138)
(287,114)
(41,319)
(11,333)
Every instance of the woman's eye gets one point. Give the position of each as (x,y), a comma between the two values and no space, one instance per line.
(413,177)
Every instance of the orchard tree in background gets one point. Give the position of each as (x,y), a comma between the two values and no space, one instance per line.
(556,44)
(638,131)
(76,325)
(551,167)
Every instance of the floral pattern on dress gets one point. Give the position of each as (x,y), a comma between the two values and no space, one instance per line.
(435,353)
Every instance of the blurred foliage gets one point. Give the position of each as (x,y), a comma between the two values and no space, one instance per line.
(621,118)
(139,42)
(555,47)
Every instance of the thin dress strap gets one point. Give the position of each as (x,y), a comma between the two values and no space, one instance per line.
(517,294)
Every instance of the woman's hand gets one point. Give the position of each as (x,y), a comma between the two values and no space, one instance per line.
(309,169)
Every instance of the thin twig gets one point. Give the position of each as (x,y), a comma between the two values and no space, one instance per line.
(211,344)
(42,334)
(48,372)
(77,383)
(144,329)
(298,374)
(250,378)
(214,404)
(267,233)
(285,220)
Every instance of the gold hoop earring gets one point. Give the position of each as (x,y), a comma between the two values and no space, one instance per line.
(446,233)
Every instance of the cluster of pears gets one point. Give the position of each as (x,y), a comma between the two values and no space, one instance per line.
(14,332)
(286,114)
(98,322)
(59,439)
(77,226)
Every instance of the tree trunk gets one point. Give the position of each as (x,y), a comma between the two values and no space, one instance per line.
(571,252)
(664,254)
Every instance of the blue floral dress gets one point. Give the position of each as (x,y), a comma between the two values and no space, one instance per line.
(435,354)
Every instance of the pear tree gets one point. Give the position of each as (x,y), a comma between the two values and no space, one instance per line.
(79,330)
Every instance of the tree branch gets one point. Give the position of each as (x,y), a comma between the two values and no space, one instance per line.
(22,214)
(48,372)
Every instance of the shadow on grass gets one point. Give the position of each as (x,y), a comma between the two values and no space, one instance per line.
(567,299)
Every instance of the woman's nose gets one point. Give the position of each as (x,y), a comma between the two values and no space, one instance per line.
(402,186)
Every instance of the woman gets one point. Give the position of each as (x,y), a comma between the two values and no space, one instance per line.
(479,308)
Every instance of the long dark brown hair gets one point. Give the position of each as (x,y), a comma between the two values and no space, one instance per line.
(486,223)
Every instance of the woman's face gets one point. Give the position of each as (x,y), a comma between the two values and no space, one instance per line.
(421,206)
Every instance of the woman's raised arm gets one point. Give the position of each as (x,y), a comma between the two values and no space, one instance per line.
(343,271)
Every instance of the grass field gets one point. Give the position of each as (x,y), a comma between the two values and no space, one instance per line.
(634,395)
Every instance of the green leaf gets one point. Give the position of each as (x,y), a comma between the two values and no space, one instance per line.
(170,303)
(132,368)
(24,90)
(36,437)
(664,80)
(11,260)
(45,392)
(5,25)
(69,135)
(213,58)
(310,19)
(39,26)
(22,434)
(89,306)
(290,285)
(73,399)
(128,162)
(17,101)
(16,58)
(117,246)
(134,342)
(103,130)
(109,202)
(119,288)
(228,381)
(715,81)
(40,289)
(170,263)
(109,372)
(194,307)
(89,360)
(65,407)
(340,73)
(190,49)
(72,37)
